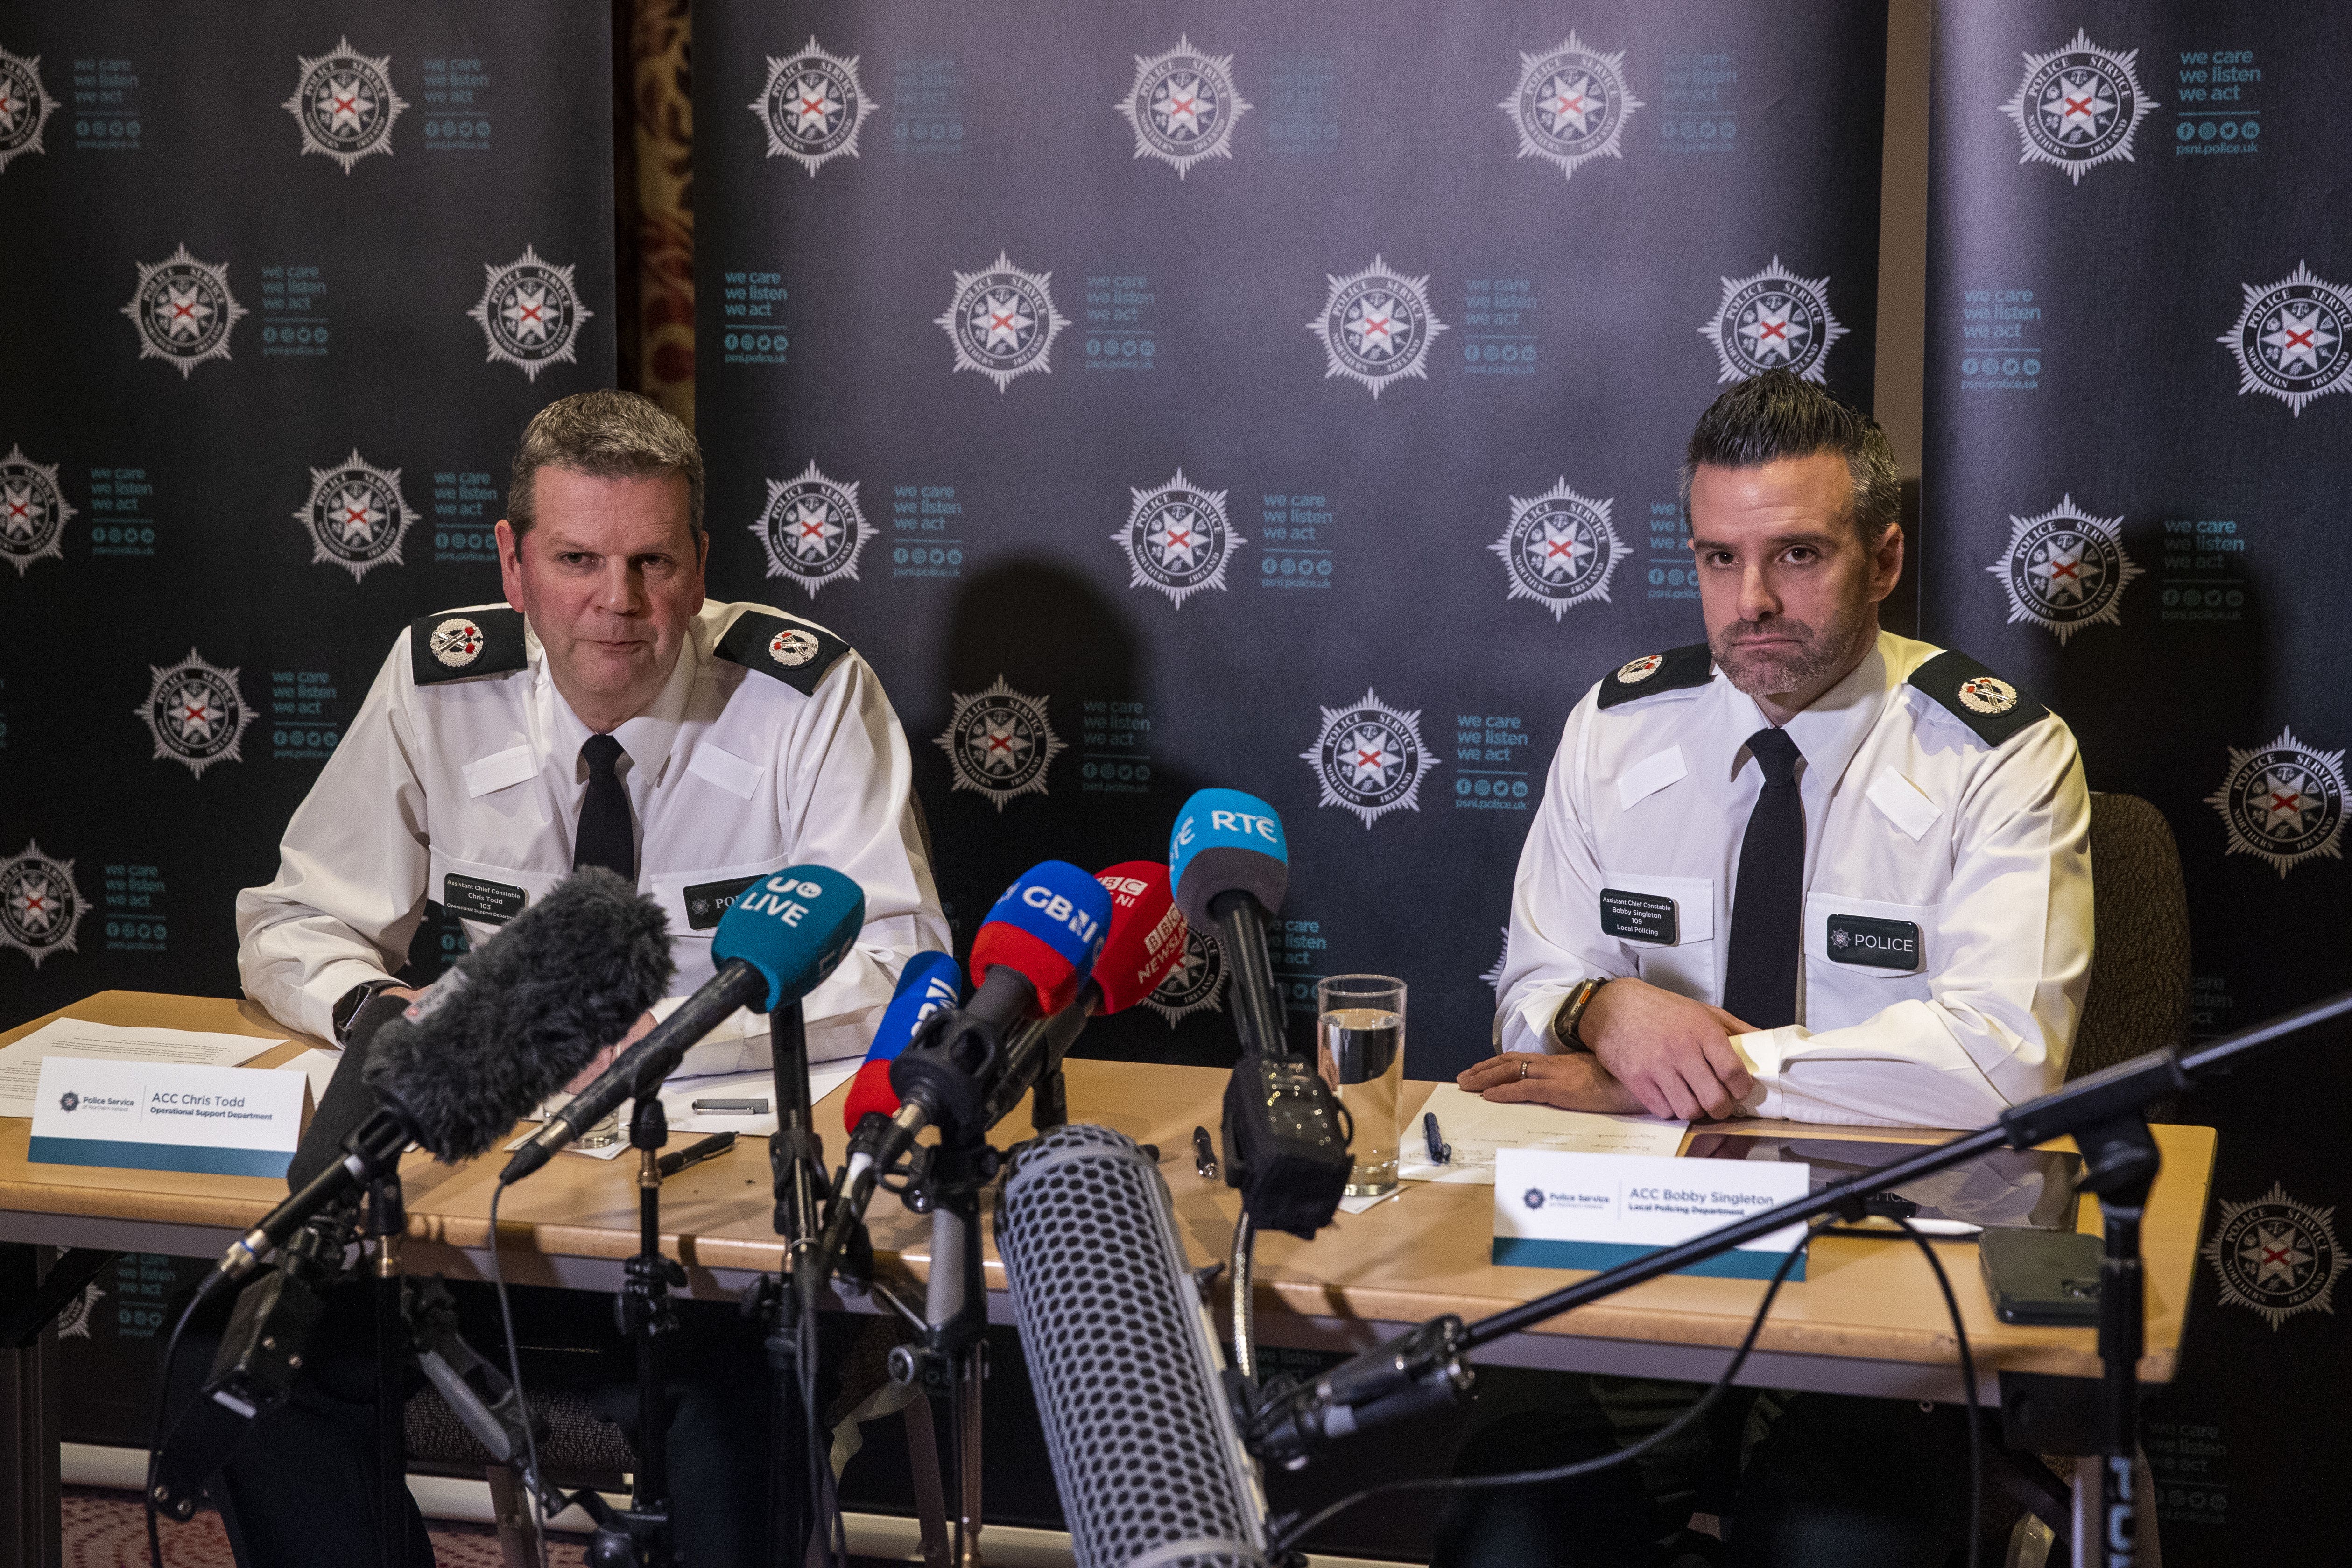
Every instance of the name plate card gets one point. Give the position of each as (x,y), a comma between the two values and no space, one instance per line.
(166,1116)
(1557,1209)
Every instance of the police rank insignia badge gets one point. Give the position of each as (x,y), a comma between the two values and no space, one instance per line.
(530,313)
(811,107)
(1176,538)
(1773,320)
(2275,1257)
(2064,569)
(39,904)
(356,515)
(196,713)
(2078,106)
(33,511)
(1572,104)
(812,529)
(344,103)
(1558,549)
(2289,339)
(184,310)
(1368,758)
(1182,106)
(2284,802)
(999,742)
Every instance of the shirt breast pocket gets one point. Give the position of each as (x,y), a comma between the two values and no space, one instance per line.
(695,901)
(1863,954)
(485,896)
(1667,925)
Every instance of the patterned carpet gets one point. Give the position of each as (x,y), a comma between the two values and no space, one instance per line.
(108,1530)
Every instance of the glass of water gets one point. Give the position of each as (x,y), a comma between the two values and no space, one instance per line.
(1359,1047)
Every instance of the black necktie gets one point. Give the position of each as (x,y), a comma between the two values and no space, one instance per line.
(1767,910)
(607,837)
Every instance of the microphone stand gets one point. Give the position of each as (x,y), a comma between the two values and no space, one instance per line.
(639,1534)
(788,1302)
(2105,1112)
(387,1222)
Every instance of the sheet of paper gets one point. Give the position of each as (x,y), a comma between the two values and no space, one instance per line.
(1477,1127)
(319,1065)
(20,1064)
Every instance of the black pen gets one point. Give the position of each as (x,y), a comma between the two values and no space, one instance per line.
(1440,1152)
(695,1153)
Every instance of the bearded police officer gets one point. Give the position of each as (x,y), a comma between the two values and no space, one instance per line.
(605,714)
(1807,869)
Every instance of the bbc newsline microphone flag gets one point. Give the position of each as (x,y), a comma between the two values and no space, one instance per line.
(2139,433)
(1288,399)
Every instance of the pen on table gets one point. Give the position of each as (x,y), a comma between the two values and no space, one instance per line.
(695,1153)
(730,1107)
(1440,1152)
(1204,1154)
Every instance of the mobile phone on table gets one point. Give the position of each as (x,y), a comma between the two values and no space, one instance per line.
(2045,1276)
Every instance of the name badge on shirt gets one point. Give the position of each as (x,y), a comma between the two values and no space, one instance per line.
(1641,916)
(492,903)
(707,901)
(1874,943)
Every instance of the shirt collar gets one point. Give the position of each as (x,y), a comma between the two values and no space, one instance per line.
(1830,730)
(646,739)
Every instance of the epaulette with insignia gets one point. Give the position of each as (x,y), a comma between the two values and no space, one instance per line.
(1673,670)
(795,652)
(457,643)
(1976,696)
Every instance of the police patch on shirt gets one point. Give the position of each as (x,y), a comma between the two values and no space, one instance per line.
(477,898)
(1639,917)
(706,902)
(2275,1257)
(795,652)
(1676,669)
(1992,706)
(1874,943)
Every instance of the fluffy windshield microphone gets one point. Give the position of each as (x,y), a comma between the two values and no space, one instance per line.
(515,1020)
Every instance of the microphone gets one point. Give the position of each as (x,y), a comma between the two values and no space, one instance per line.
(515,1020)
(1231,866)
(1031,956)
(1143,945)
(776,943)
(1129,1381)
(929,981)
(1284,1148)
(349,1101)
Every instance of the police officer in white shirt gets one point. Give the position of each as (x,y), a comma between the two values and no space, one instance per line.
(1807,869)
(605,714)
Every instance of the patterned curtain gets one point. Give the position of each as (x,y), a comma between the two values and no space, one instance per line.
(654,136)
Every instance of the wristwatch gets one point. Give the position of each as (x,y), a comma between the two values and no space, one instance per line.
(347,1005)
(1571,1013)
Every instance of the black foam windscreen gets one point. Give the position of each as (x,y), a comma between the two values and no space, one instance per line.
(523,1014)
(1218,869)
(349,1101)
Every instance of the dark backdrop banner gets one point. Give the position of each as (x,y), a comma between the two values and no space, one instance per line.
(283,283)
(2139,436)
(1284,398)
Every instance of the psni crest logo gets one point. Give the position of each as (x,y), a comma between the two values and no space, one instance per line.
(1376,327)
(356,515)
(1182,106)
(2064,569)
(1003,322)
(811,107)
(1560,549)
(812,529)
(999,742)
(530,313)
(25,106)
(1197,983)
(39,904)
(2289,339)
(1177,539)
(195,713)
(33,511)
(344,103)
(1572,104)
(2283,804)
(184,310)
(2275,1256)
(1369,759)
(2077,107)
(1773,320)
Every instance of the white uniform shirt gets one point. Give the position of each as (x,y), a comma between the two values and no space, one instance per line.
(731,774)
(1913,818)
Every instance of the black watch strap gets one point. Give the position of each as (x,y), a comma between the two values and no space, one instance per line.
(347,1005)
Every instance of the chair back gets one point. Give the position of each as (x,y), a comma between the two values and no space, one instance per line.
(2138,999)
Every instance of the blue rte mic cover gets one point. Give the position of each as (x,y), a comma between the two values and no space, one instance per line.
(929,981)
(1049,927)
(1226,841)
(795,927)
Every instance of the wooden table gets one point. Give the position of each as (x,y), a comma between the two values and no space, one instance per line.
(1867,1318)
